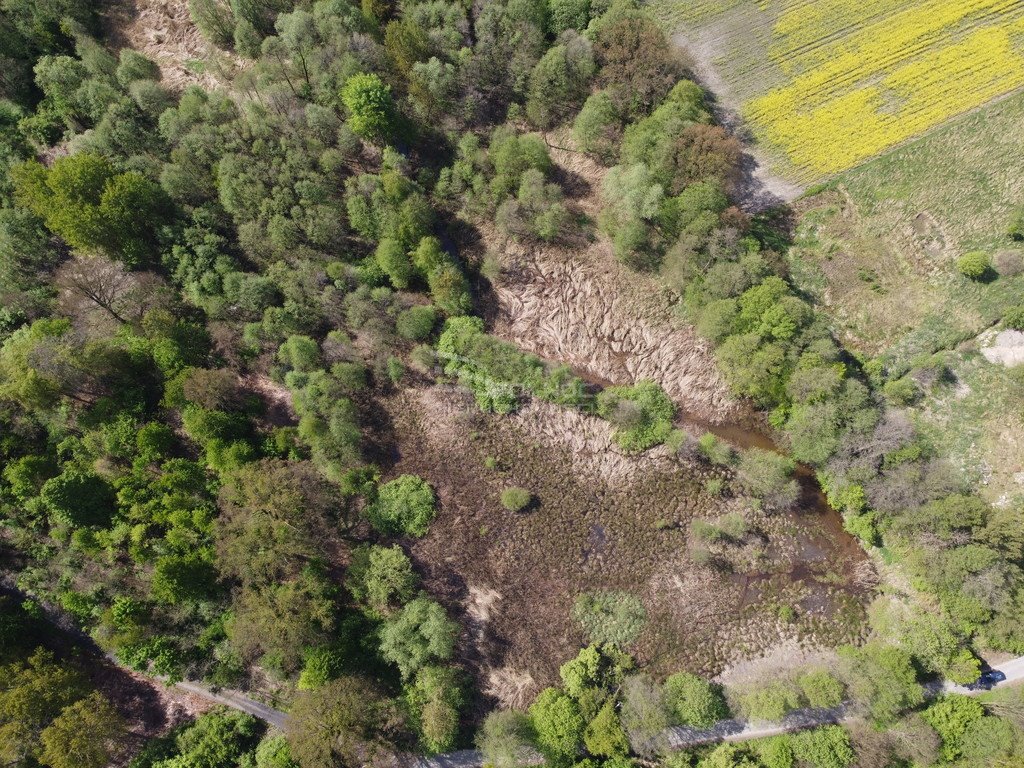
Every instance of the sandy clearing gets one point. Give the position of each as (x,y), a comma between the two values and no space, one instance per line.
(583,310)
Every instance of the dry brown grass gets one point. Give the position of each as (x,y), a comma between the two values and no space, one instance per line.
(626,530)
(576,304)
(163,30)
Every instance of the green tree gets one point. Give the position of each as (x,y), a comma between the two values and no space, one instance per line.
(86,734)
(557,723)
(826,747)
(882,680)
(381,577)
(953,717)
(33,695)
(991,741)
(644,714)
(215,739)
(371,109)
(395,262)
(416,323)
(821,688)
(417,635)
(87,202)
(405,505)
(180,578)
(277,623)
(347,722)
(406,43)
(694,701)
(273,752)
(568,14)
(78,498)
(729,756)
(604,736)
(558,83)
(300,353)
(436,696)
(272,514)
(633,204)
(598,128)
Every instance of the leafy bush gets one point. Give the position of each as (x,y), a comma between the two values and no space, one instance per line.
(715,450)
(416,323)
(821,688)
(320,666)
(515,499)
(1015,318)
(642,414)
(770,702)
(504,739)
(498,372)
(694,701)
(610,617)
(974,265)
(768,475)
(419,634)
(405,505)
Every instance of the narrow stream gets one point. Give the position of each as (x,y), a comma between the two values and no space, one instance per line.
(752,432)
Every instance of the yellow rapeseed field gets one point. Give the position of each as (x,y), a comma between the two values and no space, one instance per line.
(853,78)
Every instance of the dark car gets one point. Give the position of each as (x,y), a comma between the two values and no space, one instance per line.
(989,678)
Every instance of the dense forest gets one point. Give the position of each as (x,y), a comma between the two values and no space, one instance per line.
(183,270)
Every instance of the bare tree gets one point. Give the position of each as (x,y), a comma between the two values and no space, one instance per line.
(95,290)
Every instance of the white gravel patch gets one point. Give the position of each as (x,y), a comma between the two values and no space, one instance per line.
(1005,348)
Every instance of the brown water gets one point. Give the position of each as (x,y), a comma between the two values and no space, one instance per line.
(752,431)
(754,434)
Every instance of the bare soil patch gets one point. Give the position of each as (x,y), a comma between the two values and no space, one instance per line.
(576,304)
(162,30)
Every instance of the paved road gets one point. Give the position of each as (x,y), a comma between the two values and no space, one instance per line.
(237,700)
(734,731)
(675,738)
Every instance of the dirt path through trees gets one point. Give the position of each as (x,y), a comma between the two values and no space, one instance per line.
(759,188)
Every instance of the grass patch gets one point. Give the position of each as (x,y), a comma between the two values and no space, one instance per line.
(610,617)
(905,220)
